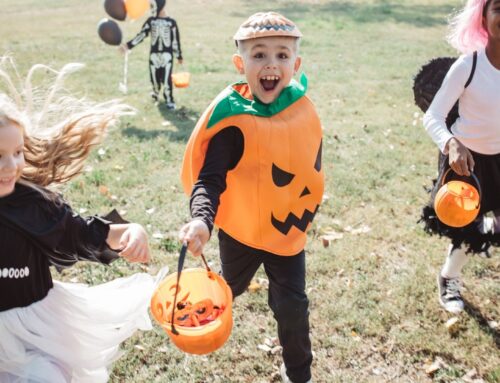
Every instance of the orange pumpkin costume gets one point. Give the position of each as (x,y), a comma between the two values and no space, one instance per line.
(275,190)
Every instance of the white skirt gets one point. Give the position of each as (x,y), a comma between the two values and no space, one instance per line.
(74,333)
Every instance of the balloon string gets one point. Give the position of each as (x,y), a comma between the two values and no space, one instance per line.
(125,72)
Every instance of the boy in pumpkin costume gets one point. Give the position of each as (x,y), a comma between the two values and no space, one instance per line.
(253,166)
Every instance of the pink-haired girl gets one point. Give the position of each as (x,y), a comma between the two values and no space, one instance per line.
(473,142)
(52,331)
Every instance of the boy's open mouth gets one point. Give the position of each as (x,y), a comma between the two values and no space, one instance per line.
(269,82)
(6,180)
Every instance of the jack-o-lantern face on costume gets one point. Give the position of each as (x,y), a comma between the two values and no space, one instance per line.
(291,184)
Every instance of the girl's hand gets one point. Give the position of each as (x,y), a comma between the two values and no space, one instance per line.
(134,244)
(196,235)
(460,158)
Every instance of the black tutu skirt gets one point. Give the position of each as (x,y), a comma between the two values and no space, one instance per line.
(487,171)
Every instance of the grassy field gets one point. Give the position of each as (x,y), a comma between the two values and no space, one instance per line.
(374,310)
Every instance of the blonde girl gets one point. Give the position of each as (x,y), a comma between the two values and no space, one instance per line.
(52,331)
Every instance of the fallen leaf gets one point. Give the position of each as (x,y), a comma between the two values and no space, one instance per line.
(103,190)
(264,348)
(254,286)
(453,325)
(263,282)
(431,369)
(329,236)
(359,230)
(332,236)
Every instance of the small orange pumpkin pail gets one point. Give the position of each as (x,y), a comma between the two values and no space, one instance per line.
(181,79)
(194,307)
(457,203)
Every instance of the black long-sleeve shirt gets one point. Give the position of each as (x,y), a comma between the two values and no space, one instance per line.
(35,233)
(223,154)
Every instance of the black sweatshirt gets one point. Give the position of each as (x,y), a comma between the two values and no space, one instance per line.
(36,232)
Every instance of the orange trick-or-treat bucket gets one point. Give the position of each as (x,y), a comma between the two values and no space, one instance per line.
(194,307)
(457,203)
(181,79)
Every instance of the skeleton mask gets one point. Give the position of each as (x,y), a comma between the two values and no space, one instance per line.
(157,6)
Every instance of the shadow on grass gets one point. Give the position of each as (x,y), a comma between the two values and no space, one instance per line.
(183,120)
(381,11)
(478,316)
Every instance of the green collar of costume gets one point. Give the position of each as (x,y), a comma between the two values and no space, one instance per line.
(231,102)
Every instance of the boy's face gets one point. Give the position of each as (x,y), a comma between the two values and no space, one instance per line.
(268,64)
(11,156)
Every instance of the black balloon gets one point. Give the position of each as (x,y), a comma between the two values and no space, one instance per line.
(109,32)
(116,9)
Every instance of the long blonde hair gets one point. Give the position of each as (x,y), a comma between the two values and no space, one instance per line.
(59,129)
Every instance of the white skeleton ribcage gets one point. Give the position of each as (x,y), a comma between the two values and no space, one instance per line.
(160,33)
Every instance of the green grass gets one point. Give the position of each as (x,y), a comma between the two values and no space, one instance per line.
(374,312)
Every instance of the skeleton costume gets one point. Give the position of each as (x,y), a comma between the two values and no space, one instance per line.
(165,42)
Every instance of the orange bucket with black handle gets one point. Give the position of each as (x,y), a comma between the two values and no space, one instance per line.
(457,203)
(194,307)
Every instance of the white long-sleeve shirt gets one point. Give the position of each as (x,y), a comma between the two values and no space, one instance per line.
(478,126)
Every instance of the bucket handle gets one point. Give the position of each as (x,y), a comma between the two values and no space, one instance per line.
(180,266)
(472,175)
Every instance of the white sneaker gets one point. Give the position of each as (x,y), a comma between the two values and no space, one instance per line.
(285,377)
(449,294)
(171,105)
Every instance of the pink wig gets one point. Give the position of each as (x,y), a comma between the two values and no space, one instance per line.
(467,33)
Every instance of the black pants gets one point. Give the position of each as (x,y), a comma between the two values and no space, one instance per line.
(287,297)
